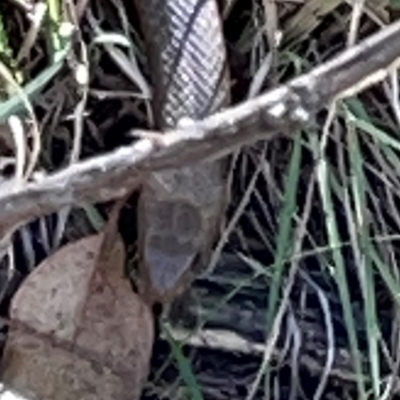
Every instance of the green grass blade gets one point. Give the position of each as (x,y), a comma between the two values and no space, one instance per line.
(366,276)
(285,231)
(377,133)
(54,14)
(15,104)
(340,270)
(391,282)
(185,368)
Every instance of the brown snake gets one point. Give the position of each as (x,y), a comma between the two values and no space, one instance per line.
(180,211)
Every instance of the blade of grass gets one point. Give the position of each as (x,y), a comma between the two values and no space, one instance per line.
(377,133)
(5,49)
(366,277)
(297,240)
(54,15)
(285,231)
(16,104)
(95,218)
(324,183)
(284,243)
(391,282)
(185,368)
(7,76)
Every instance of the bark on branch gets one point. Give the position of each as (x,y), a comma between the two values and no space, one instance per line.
(113,175)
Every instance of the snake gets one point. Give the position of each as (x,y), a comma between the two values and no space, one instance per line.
(180,211)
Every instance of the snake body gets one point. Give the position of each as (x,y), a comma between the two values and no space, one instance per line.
(180,211)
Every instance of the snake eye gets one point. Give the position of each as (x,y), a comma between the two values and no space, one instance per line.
(187,221)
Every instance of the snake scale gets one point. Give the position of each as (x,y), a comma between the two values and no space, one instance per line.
(181,211)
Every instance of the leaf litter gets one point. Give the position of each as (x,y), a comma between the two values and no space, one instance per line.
(78,331)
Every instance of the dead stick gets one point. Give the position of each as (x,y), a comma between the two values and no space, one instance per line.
(282,109)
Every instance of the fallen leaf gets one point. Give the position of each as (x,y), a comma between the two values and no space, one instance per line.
(79,332)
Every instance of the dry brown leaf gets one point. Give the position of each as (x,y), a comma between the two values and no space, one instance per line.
(78,329)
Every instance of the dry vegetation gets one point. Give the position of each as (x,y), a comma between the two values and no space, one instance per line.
(302,297)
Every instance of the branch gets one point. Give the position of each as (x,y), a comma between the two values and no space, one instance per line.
(283,109)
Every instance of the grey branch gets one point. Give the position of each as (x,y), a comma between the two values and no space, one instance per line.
(283,109)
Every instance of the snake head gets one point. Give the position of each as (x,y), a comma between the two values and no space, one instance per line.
(180,214)
(170,246)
